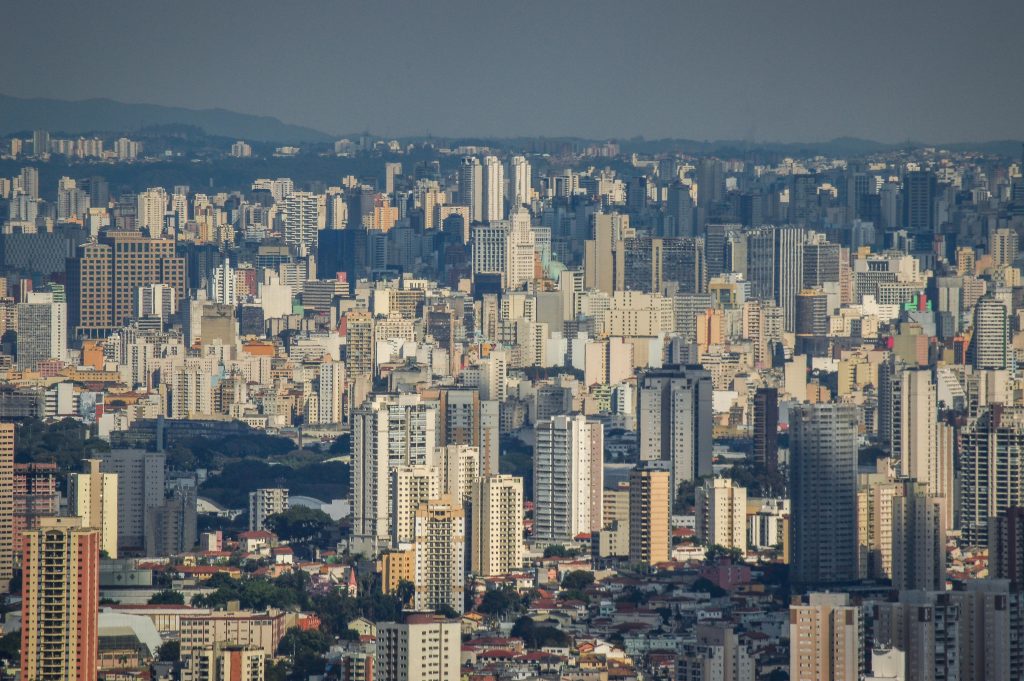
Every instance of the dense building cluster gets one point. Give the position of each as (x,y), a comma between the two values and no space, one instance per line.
(602,414)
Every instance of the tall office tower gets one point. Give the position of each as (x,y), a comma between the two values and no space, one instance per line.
(7,520)
(715,653)
(223,284)
(520,251)
(568,477)
(29,177)
(674,420)
(336,209)
(471,187)
(825,639)
(489,250)
(650,510)
(330,392)
(224,661)
(520,185)
(301,215)
(990,344)
(991,630)
(921,445)
(92,496)
(342,251)
(716,242)
(766,428)
(918,538)
(35,497)
(811,314)
(156,300)
(803,199)
(753,253)
(919,191)
(496,543)
(1006,546)
(991,449)
(440,555)
(42,330)
(1002,246)
(710,181)
(721,514)
(789,254)
(820,261)
(410,486)
(359,344)
(679,212)
(823,488)
(263,503)
(599,252)
(493,174)
(40,143)
(425,647)
(140,487)
(392,170)
(60,601)
(104,279)
(920,632)
(387,431)
(150,210)
(465,419)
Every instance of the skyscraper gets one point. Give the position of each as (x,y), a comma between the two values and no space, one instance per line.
(493,190)
(991,449)
(519,182)
(823,479)
(919,539)
(1006,546)
(568,477)
(789,266)
(674,420)
(140,487)
(301,216)
(92,496)
(440,555)
(265,502)
(918,190)
(497,526)
(152,205)
(60,601)
(471,187)
(721,514)
(766,428)
(42,330)
(650,511)
(990,344)
(424,647)
(6,505)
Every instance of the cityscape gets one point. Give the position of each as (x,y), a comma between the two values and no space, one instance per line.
(280,404)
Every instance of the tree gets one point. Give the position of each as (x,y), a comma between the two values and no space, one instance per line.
(307,649)
(499,602)
(302,526)
(715,552)
(10,646)
(167,597)
(577,580)
(169,651)
(559,551)
(445,610)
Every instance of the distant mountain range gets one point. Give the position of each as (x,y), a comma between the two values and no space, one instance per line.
(107,115)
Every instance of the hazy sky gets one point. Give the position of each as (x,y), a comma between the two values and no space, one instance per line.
(767,70)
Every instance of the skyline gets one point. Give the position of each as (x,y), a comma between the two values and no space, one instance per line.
(355,67)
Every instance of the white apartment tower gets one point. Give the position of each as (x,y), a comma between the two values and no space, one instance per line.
(519,182)
(300,212)
(568,477)
(439,573)
(494,189)
(263,503)
(496,545)
(92,496)
(721,514)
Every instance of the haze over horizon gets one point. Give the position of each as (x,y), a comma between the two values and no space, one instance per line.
(926,71)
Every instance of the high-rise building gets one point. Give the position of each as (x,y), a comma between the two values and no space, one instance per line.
(425,647)
(496,544)
(60,601)
(923,629)
(35,496)
(105,276)
(766,428)
(92,496)
(991,448)
(674,419)
(223,284)
(440,555)
(1003,246)
(410,486)
(825,635)
(471,187)
(918,538)
(7,505)
(301,219)
(140,487)
(991,629)
(330,391)
(359,344)
(721,514)
(788,272)
(650,511)
(919,192)
(42,330)
(715,653)
(387,431)
(466,419)
(493,190)
(519,182)
(990,343)
(568,478)
(265,502)
(823,488)
(152,205)
(1006,546)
